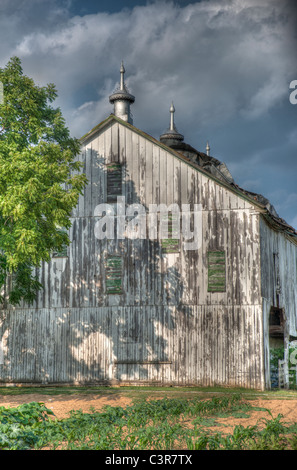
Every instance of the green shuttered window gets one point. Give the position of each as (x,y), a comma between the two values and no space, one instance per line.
(114,274)
(170,244)
(216,271)
(114,181)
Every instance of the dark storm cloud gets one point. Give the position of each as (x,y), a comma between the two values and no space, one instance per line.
(20,17)
(226,65)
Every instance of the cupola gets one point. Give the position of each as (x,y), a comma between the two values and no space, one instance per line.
(171,136)
(122,99)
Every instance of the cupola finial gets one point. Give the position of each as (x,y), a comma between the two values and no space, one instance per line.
(122,99)
(207,148)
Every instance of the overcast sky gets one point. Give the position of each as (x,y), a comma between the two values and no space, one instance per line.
(226,64)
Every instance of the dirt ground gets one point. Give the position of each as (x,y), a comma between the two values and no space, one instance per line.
(61,405)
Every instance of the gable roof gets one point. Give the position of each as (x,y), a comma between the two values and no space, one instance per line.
(263,204)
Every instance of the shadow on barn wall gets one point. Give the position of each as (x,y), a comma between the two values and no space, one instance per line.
(76,333)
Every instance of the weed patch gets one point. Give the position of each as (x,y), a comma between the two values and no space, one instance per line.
(177,423)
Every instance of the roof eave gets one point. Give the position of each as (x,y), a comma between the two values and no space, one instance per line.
(98,127)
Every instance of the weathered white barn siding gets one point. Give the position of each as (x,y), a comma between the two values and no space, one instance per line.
(165,345)
(276,243)
(279,279)
(166,327)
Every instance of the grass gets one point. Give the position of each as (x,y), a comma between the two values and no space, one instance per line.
(163,424)
(145,391)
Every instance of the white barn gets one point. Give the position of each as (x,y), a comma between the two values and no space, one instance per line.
(143,308)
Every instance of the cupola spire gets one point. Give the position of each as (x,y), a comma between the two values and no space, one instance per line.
(171,134)
(172,111)
(122,72)
(122,99)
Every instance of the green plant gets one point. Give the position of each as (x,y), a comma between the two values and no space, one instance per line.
(146,424)
(19,427)
(40,180)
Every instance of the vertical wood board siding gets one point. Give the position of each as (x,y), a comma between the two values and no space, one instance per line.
(165,327)
(276,243)
(189,345)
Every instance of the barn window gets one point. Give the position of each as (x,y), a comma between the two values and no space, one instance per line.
(114,274)
(276,322)
(114,181)
(62,252)
(170,222)
(216,271)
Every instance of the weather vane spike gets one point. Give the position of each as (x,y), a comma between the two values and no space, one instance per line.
(122,71)
(172,111)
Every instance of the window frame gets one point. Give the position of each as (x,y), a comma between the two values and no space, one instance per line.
(216,271)
(114,176)
(113,273)
(170,244)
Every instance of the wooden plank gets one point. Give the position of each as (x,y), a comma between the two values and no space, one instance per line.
(115,142)
(88,155)
(156,182)
(128,167)
(137,151)
(148,176)
(108,144)
(163,177)
(122,145)
(143,159)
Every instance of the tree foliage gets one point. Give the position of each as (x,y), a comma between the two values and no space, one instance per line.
(40,179)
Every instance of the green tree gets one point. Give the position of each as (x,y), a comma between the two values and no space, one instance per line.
(40,180)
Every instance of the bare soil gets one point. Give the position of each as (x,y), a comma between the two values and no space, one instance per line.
(61,405)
